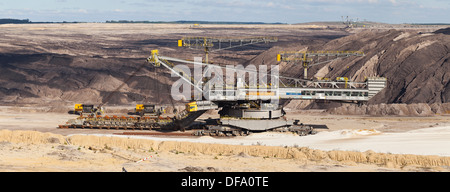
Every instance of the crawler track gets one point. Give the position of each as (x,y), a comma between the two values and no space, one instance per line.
(120,123)
(166,126)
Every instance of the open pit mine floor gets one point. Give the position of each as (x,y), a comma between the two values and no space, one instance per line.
(31,141)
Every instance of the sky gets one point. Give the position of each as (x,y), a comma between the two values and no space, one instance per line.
(269,11)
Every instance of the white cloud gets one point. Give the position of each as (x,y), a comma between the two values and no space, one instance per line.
(82,11)
(394,2)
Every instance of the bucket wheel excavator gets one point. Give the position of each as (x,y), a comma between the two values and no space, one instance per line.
(242,108)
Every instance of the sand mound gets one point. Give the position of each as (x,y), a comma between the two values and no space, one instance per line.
(297,153)
(30,137)
(414,109)
(415,64)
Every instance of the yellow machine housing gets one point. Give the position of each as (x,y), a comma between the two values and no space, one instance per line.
(149,109)
(83,108)
(78,107)
(87,108)
(139,107)
(192,107)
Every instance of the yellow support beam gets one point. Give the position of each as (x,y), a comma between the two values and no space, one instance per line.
(343,79)
(153,57)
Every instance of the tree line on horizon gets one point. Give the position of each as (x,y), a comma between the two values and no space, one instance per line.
(9,21)
(190,22)
(22,21)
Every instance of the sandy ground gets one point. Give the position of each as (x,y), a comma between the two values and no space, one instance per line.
(63,150)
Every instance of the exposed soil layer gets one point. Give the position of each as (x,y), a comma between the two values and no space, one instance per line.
(416,64)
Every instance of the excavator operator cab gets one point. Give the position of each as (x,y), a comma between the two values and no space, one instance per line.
(83,108)
(192,107)
(142,109)
(87,108)
(139,107)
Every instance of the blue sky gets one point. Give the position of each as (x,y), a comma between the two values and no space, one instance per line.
(285,11)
